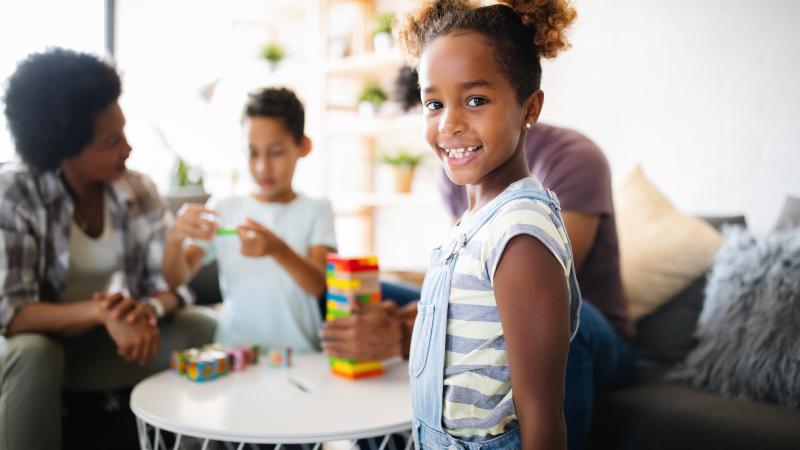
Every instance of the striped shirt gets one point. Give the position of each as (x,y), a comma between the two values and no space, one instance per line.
(478,401)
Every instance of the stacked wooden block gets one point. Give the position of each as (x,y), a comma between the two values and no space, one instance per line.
(352,280)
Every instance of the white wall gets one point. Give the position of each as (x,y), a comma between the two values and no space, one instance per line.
(704,94)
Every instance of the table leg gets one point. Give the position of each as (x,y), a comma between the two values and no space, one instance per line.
(177,442)
(409,442)
(385,441)
(144,440)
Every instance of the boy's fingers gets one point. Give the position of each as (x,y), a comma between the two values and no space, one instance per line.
(246,232)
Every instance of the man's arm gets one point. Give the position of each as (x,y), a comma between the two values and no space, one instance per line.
(373,332)
(582,231)
(533,302)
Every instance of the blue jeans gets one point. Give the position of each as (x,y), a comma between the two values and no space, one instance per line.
(599,360)
(401,293)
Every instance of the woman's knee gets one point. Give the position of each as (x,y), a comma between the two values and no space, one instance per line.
(32,357)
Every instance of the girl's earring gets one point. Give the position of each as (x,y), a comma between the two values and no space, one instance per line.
(528,125)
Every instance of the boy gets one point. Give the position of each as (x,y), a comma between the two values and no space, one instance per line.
(272,264)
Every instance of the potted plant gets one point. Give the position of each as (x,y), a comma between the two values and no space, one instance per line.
(371,98)
(404,164)
(382,33)
(273,53)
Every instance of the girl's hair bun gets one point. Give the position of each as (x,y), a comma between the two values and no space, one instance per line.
(549,19)
(429,17)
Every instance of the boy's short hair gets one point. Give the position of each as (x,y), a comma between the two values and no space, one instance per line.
(278,103)
(51,102)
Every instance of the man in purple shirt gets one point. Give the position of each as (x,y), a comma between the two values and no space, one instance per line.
(600,358)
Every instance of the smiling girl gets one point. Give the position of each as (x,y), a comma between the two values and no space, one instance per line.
(500,299)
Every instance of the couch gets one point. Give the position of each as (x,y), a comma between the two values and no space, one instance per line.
(654,413)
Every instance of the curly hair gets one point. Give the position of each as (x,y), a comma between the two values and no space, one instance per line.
(279,103)
(51,103)
(520,31)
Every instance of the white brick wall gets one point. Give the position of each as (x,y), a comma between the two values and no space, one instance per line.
(704,94)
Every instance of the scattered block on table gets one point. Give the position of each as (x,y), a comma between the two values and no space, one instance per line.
(178,361)
(238,359)
(213,361)
(202,370)
(279,356)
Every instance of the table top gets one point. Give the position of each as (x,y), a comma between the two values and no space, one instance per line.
(262,404)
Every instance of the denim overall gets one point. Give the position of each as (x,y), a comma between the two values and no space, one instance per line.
(426,361)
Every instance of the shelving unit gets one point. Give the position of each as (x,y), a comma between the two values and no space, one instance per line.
(364,137)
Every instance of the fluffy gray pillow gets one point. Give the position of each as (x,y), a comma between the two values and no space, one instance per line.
(749,330)
(790,214)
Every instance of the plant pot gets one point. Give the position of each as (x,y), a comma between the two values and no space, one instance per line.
(367,109)
(272,64)
(382,42)
(403,179)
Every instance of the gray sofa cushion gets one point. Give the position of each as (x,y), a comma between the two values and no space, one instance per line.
(666,335)
(790,214)
(749,330)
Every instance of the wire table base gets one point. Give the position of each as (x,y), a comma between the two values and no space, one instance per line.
(154,438)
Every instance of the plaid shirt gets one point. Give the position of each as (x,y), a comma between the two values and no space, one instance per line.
(35,215)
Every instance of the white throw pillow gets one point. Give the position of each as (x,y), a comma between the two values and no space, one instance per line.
(661,250)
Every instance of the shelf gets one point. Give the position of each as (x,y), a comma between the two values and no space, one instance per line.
(366,64)
(353,203)
(406,123)
(268,13)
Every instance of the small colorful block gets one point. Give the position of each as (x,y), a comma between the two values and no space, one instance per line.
(279,356)
(202,370)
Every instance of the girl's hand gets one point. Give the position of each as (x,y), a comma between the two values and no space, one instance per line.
(193,221)
(258,240)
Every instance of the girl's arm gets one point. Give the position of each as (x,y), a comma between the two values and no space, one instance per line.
(309,273)
(533,301)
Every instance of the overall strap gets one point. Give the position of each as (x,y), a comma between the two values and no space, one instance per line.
(544,195)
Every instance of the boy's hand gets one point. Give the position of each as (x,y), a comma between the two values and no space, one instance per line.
(258,240)
(193,221)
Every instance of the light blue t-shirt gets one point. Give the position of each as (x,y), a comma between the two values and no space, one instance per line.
(261,302)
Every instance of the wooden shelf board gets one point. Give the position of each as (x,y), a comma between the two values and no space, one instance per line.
(366,63)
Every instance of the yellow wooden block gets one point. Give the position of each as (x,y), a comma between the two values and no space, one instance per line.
(356,368)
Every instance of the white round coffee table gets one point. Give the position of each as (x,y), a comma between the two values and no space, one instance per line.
(303,404)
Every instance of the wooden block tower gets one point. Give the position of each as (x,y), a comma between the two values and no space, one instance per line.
(352,280)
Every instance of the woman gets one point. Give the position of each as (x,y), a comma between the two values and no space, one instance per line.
(81,243)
